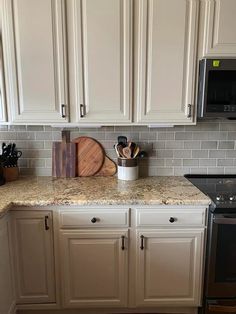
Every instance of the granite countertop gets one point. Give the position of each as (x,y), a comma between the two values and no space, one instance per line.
(41,191)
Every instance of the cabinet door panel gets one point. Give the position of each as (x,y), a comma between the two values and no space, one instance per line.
(166,60)
(33,33)
(34,265)
(101,49)
(7,302)
(169,268)
(94,269)
(219,28)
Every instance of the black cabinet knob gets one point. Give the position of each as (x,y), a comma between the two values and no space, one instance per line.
(93,220)
(172,219)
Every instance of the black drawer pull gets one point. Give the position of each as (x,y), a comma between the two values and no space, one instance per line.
(142,242)
(93,220)
(172,219)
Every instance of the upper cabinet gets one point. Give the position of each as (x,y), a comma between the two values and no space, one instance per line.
(129,61)
(218,36)
(2,89)
(165,47)
(100,51)
(35,60)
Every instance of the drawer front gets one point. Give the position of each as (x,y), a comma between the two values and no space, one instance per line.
(153,218)
(92,218)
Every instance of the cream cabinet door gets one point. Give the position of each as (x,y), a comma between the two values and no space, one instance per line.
(219,36)
(169,267)
(94,268)
(7,302)
(100,59)
(33,256)
(35,60)
(165,47)
(3,116)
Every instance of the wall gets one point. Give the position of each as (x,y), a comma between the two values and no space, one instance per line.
(208,147)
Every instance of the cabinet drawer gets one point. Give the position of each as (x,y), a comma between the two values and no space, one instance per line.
(93,218)
(170,217)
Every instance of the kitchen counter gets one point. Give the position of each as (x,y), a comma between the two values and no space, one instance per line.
(41,191)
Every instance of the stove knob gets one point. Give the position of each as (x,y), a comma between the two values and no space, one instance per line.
(220,198)
(232,198)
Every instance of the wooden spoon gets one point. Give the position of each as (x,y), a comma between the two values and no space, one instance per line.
(127,152)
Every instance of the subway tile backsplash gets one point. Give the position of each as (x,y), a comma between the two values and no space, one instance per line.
(209,147)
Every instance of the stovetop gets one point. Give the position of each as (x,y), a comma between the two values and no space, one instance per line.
(220,188)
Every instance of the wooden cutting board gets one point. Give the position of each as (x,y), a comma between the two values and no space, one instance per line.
(90,156)
(63,157)
(108,168)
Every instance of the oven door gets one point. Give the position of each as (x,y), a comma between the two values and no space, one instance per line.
(221,262)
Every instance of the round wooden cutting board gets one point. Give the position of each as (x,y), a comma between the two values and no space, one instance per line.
(90,156)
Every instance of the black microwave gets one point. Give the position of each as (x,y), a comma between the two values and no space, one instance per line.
(217,88)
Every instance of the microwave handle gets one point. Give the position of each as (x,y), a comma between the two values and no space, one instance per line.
(189,114)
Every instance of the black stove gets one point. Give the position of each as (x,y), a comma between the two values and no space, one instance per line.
(220,188)
(220,263)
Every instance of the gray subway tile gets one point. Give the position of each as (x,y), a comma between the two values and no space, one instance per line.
(165,135)
(174,144)
(165,171)
(183,135)
(209,145)
(198,170)
(182,153)
(190,162)
(165,153)
(226,145)
(207,162)
(225,162)
(228,126)
(200,153)
(230,170)
(192,144)
(174,162)
(180,171)
(217,170)
(217,153)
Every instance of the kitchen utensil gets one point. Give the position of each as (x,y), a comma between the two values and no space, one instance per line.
(127,169)
(108,168)
(120,150)
(127,152)
(136,151)
(122,140)
(90,156)
(63,157)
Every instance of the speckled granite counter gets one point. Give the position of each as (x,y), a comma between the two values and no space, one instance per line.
(36,191)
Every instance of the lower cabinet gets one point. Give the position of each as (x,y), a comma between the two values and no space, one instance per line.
(169,267)
(7,299)
(32,233)
(94,268)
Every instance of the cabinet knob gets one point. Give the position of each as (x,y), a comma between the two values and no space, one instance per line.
(93,220)
(172,219)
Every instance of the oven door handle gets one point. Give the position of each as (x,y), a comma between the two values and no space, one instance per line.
(221,309)
(225,220)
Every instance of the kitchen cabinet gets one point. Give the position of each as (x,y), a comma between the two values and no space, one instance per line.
(94,257)
(7,298)
(169,267)
(169,257)
(162,48)
(3,116)
(100,54)
(32,234)
(94,268)
(35,60)
(218,37)
(165,60)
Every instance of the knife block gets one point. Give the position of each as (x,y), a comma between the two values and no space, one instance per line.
(11,173)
